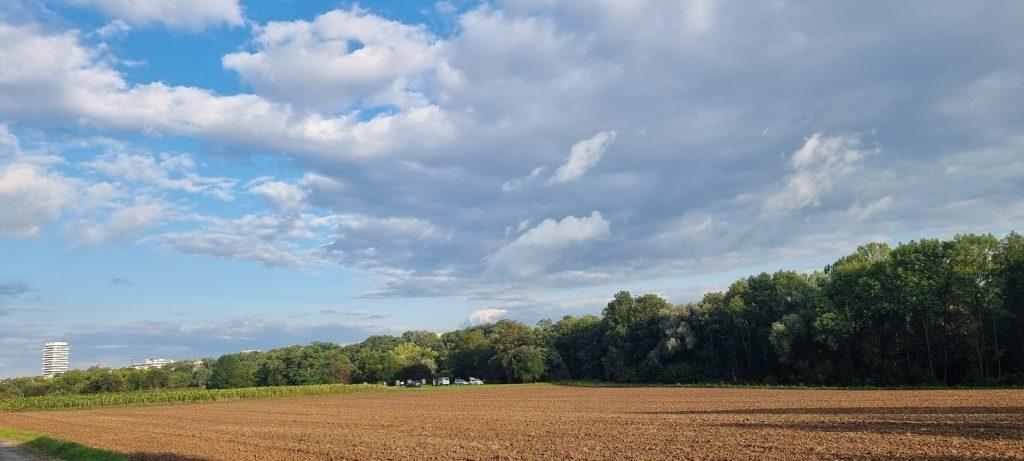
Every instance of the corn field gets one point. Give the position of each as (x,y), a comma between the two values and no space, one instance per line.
(61,402)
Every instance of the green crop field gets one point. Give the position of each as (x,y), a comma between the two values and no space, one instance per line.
(63,402)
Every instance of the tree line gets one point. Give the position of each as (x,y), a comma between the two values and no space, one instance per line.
(927,312)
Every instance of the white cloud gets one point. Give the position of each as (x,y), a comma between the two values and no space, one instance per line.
(516,183)
(283,196)
(537,249)
(817,167)
(338,58)
(293,240)
(384,242)
(482,316)
(147,169)
(192,15)
(584,156)
(228,245)
(115,28)
(514,83)
(31,197)
(124,222)
(54,77)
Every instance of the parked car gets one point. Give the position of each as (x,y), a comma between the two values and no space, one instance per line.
(475,382)
(413,383)
(442,381)
(461,382)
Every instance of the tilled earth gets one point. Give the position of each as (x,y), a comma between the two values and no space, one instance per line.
(552,422)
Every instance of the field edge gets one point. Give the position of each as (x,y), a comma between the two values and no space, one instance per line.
(61,449)
(179,397)
(714,385)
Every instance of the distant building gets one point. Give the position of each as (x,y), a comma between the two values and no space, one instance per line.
(249,351)
(55,358)
(151,363)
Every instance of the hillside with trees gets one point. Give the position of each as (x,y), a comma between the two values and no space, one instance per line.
(927,312)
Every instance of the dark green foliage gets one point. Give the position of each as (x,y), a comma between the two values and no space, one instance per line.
(525,364)
(232,371)
(927,312)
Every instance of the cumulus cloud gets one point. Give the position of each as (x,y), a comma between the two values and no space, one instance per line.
(386,242)
(403,177)
(583,156)
(516,183)
(338,58)
(115,28)
(283,196)
(817,166)
(51,76)
(168,171)
(539,248)
(124,221)
(489,315)
(269,239)
(31,197)
(191,15)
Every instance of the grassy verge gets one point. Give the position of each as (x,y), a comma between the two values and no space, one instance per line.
(62,449)
(120,399)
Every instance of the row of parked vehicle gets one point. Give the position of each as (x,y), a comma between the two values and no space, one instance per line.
(446,381)
(442,381)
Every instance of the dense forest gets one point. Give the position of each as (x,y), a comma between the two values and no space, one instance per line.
(927,312)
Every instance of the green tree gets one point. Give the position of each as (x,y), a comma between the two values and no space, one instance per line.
(106,381)
(632,331)
(340,370)
(525,364)
(229,371)
(1008,278)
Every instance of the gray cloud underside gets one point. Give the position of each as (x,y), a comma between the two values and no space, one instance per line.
(712,104)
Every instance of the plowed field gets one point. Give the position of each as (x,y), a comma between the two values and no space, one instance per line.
(552,422)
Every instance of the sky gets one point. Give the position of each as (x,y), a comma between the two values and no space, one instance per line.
(187,178)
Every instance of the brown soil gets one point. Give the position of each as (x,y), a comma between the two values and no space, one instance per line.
(551,422)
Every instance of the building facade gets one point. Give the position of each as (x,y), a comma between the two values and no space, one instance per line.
(55,358)
(151,363)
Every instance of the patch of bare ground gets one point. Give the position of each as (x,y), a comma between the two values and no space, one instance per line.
(553,422)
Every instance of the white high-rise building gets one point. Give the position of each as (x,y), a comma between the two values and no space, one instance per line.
(55,358)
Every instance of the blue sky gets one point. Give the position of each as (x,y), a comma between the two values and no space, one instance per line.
(186,178)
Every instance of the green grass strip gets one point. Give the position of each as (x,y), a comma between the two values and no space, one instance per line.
(61,449)
(165,397)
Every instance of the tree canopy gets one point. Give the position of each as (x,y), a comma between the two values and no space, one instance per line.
(927,312)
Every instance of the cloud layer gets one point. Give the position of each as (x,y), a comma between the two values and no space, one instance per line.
(192,15)
(529,149)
